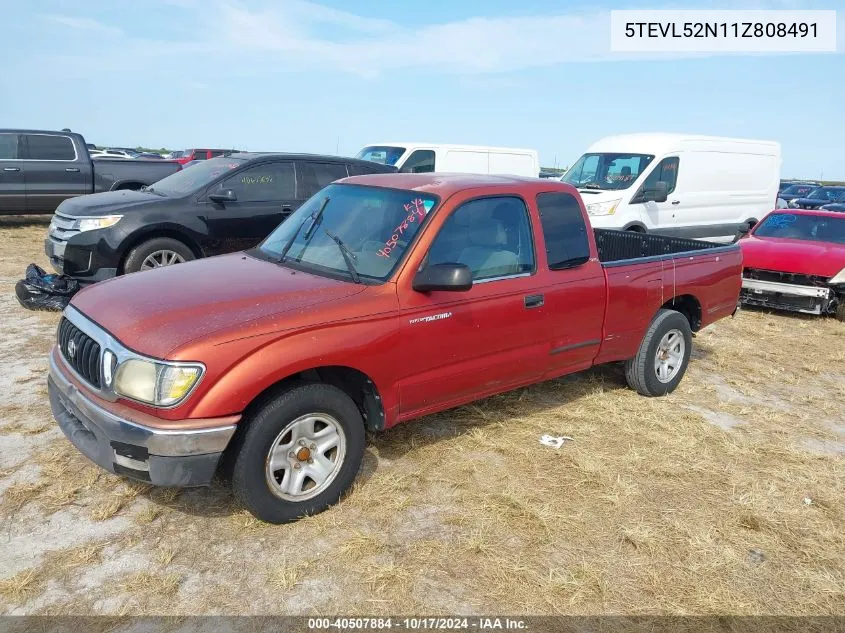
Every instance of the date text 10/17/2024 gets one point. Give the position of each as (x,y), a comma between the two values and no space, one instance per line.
(419,624)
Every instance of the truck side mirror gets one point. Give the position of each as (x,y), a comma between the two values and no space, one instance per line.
(449,277)
(224,195)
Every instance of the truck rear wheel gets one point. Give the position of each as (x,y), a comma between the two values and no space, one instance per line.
(155,253)
(840,309)
(663,356)
(299,453)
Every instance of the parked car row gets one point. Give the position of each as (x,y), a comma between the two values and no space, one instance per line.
(315,323)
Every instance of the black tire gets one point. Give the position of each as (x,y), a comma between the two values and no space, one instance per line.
(249,479)
(840,309)
(640,371)
(138,254)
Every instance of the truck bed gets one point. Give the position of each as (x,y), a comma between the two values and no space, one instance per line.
(615,247)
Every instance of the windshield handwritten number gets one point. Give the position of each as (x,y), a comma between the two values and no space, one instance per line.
(415,209)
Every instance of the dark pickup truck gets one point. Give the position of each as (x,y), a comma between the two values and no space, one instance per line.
(39,169)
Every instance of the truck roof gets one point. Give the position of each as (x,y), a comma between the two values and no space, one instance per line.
(445,185)
(20,131)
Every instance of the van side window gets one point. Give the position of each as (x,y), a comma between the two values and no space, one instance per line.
(420,162)
(666,171)
(564,230)
(490,235)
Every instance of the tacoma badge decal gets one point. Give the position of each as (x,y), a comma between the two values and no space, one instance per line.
(433,317)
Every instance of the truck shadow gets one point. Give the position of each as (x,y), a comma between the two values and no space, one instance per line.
(400,441)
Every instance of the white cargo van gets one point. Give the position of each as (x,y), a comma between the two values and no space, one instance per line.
(463,159)
(682,185)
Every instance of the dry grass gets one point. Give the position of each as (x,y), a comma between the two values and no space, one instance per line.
(652,509)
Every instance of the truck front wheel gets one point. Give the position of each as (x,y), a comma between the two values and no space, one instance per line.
(299,453)
(663,356)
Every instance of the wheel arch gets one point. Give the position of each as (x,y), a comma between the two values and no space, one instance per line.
(689,306)
(151,233)
(127,185)
(353,382)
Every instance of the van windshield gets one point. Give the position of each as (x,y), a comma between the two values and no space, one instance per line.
(186,181)
(350,231)
(607,171)
(384,154)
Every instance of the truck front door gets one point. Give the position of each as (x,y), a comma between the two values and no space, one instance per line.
(53,171)
(461,345)
(12,188)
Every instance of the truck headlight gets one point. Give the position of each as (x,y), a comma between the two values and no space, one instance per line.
(89,224)
(603,208)
(157,383)
(838,278)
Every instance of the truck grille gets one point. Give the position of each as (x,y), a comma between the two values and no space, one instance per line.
(785,278)
(62,227)
(80,351)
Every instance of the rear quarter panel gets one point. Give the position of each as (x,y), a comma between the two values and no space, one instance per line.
(636,291)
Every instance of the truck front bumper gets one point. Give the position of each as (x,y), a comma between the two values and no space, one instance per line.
(164,457)
(84,262)
(783,296)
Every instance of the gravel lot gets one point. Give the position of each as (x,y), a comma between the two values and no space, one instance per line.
(726,497)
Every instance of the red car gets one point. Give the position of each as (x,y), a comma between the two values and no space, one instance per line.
(203,154)
(382,299)
(795,260)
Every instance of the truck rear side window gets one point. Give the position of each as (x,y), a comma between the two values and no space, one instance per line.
(563,229)
(490,235)
(49,147)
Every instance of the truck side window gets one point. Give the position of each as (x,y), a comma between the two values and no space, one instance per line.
(8,146)
(666,171)
(315,176)
(49,147)
(263,183)
(420,162)
(490,235)
(563,229)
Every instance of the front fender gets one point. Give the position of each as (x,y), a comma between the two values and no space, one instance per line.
(369,345)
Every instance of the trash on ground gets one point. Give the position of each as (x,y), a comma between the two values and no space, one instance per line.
(40,290)
(555,442)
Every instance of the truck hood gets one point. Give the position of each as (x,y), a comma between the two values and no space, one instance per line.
(106,203)
(155,312)
(823,259)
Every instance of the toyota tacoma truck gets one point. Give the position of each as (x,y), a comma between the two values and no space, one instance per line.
(794,260)
(39,169)
(381,299)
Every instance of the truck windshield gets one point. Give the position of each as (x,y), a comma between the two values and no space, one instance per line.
(375,227)
(793,226)
(607,171)
(384,154)
(187,181)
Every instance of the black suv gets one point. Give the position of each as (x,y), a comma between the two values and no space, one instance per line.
(217,206)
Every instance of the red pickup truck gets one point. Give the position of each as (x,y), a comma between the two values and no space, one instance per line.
(383,298)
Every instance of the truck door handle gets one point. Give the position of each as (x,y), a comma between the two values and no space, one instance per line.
(11,169)
(676,202)
(533,301)
(71,168)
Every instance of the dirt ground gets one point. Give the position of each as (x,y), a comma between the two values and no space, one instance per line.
(723,498)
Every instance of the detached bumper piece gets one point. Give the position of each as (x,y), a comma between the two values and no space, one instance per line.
(785,296)
(124,447)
